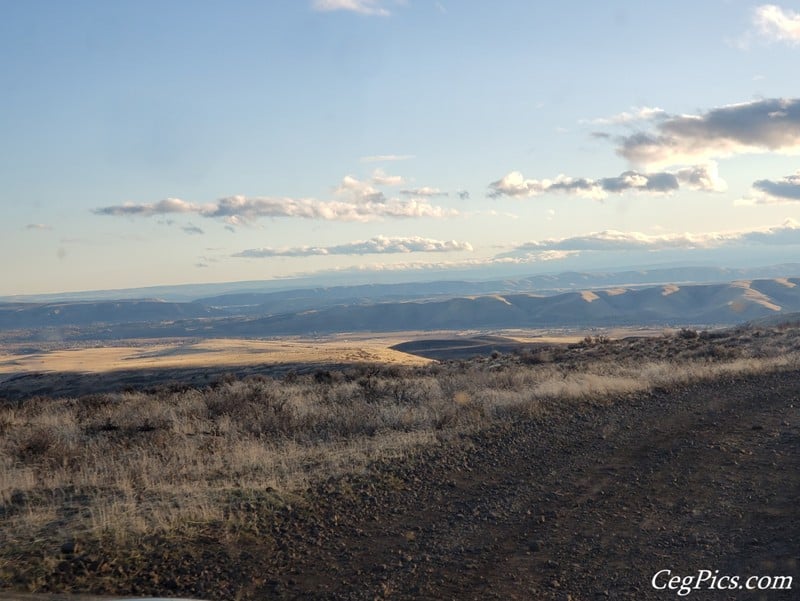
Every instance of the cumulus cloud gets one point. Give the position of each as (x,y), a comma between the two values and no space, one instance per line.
(699,177)
(612,240)
(376,245)
(702,177)
(424,191)
(363,7)
(192,229)
(515,184)
(358,191)
(239,210)
(776,23)
(769,125)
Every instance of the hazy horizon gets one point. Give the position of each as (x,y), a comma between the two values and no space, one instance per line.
(392,140)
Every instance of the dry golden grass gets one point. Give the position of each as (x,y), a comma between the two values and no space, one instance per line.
(219,352)
(208,353)
(125,463)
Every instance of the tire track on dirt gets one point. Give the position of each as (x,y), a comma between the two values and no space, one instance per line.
(588,500)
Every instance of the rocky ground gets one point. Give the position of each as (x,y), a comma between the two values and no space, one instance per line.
(587,501)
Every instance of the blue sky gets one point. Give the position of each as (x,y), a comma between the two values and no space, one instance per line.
(149,143)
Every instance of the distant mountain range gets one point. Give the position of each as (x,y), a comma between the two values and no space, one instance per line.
(433,306)
(310,290)
(271,303)
(85,313)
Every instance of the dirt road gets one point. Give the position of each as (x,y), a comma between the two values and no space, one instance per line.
(589,503)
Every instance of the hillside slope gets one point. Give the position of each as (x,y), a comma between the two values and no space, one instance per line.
(668,304)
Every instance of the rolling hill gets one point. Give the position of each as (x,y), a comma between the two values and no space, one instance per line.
(667,304)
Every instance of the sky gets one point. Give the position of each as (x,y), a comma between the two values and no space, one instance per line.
(150,143)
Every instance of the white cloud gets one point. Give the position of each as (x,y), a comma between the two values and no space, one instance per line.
(358,191)
(702,177)
(530,258)
(376,245)
(644,113)
(239,210)
(38,226)
(356,200)
(612,240)
(770,125)
(559,249)
(778,24)
(380,178)
(364,7)
(514,184)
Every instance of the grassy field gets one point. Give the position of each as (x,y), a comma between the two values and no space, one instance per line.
(192,353)
(201,353)
(170,460)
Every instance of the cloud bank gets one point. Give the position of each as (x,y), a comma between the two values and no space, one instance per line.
(611,240)
(376,245)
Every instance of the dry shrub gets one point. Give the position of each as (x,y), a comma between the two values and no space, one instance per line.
(134,461)
(588,385)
